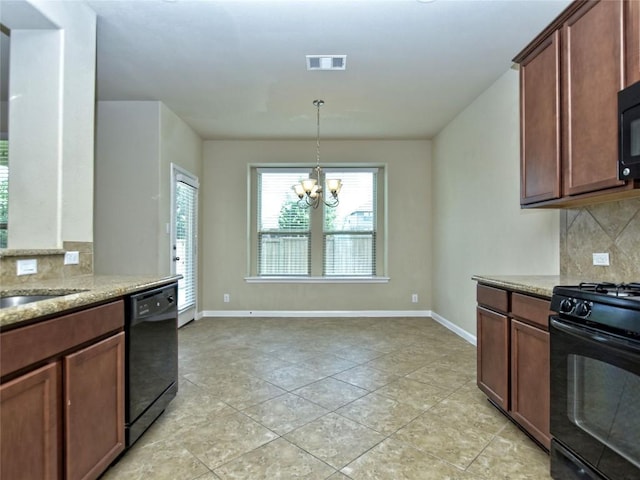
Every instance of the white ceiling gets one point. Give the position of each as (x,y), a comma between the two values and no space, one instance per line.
(236,68)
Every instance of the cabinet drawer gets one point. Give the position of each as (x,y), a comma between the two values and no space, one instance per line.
(494,298)
(25,346)
(531,309)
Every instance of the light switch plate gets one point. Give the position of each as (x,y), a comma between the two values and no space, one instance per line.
(27,267)
(601,259)
(71,258)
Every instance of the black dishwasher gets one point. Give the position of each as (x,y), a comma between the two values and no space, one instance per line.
(151,369)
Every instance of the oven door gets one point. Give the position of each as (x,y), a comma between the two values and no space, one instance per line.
(595,398)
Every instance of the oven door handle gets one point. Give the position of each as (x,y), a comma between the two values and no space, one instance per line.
(595,336)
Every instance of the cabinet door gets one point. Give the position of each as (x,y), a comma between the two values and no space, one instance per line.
(29,415)
(593,74)
(493,356)
(530,380)
(540,123)
(632,38)
(94,407)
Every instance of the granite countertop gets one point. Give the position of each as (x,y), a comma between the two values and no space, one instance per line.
(540,285)
(75,292)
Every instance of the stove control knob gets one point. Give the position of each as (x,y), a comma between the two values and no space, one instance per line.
(583,309)
(566,306)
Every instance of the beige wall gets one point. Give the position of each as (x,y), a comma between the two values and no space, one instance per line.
(136,142)
(478,226)
(224,255)
(51,122)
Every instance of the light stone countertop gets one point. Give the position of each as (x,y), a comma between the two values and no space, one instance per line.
(75,292)
(540,285)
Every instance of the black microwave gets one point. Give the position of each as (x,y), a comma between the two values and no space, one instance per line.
(629,132)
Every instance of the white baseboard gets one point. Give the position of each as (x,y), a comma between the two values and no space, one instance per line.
(315,313)
(472,339)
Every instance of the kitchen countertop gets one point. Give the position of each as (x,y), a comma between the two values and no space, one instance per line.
(540,285)
(75,292)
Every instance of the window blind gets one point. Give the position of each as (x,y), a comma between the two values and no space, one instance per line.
(284,232)
(4,192)
(186,224)
(349,233)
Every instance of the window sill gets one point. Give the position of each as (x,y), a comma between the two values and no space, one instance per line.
(317,279)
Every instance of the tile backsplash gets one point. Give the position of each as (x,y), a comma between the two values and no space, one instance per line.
(50,263)
(612,228)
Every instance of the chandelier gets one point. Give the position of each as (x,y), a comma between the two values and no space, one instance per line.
(309,191)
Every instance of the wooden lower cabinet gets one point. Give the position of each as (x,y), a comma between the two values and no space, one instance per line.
(94,408)
(493,356)
(29,420)
(63,420)
(513,357)
(530,394)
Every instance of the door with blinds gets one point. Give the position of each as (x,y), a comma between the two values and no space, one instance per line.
(185,240)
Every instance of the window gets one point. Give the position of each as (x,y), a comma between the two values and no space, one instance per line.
(349,236)
(284,232)
(4,191)
(294,241)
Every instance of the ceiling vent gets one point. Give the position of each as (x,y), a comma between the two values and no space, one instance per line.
(326,62)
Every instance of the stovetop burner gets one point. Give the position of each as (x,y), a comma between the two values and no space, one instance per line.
(614,289)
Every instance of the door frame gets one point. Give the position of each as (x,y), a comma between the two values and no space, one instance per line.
(180,174)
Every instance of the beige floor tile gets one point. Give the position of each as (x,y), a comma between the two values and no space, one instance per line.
(513,434)
(331,393)
(394,460)
(292,377)
(366,377)
(478,414)
(456,443)
(327,364)
(380,413)
(398,363)
(208,476)
(335,439)
(338,476)
(238,390)
(357,354)
(251,364)
(442,377)
(285,413)
(420,396)
(276,460)
(225,438)
(160,461)
(511,460)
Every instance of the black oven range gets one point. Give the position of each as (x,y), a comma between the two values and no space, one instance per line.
(595,381)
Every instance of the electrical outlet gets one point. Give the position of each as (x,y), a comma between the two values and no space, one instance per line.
(601,259)
(27,267)
(71,258)
(414,298)
(226,298)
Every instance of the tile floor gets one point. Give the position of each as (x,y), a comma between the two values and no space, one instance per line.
(372,398)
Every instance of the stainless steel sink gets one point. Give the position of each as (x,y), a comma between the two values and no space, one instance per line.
(15,300)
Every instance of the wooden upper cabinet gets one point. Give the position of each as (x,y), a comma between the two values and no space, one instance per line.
(632,40)
(570,76)
(593,75)
(540,122)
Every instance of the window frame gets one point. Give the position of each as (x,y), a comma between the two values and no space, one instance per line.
(317,229)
